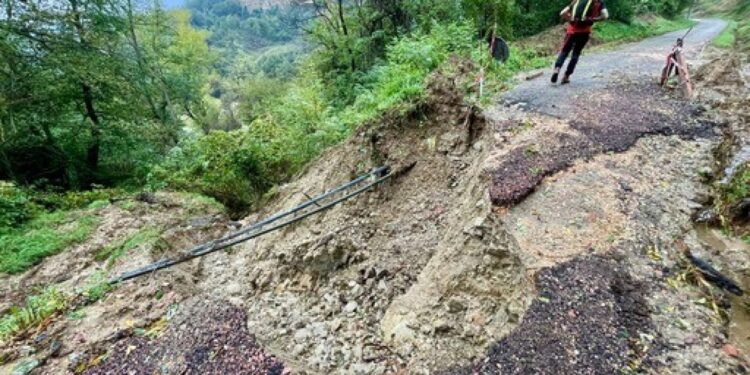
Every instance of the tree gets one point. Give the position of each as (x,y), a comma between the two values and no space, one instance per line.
(79,76)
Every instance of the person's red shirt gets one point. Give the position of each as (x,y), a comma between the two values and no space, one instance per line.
(587,26)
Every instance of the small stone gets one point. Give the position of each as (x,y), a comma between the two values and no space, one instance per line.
(335,325)
(362,368)
(382,285)
(442,326)
(426,330)
(455,306)
(299,350)
(351,307)
(26,367)
(403,333)
(302,335)
(357,290)
(26,351)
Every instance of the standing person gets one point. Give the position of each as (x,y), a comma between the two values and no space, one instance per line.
(581,15)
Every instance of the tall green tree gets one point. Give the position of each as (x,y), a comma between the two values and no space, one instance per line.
(86,82)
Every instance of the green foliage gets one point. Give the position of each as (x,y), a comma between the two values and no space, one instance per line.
(639,29)
(113,251)
(72,200)
(37,309)
(97,286)
(222,165)
(233,26)
(104,89)
(15,206)
(737,33)
(738,188)
(409,60)
(47,234)
(727,37)
(667,8)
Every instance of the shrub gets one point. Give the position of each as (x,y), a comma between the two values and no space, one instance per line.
(222,165)
(72,200)
(15,206)
(37,309)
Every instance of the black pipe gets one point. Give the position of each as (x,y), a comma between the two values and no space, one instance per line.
(246,234)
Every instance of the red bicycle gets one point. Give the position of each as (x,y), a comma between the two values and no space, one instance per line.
(677,66)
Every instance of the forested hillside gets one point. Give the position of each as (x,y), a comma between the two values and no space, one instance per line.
(226,98)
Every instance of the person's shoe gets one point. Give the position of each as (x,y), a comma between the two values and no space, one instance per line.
(555,74)
(566,80)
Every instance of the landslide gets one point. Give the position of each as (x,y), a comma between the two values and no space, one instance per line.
(417,274)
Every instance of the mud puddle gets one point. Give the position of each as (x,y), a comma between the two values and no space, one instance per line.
(739,319)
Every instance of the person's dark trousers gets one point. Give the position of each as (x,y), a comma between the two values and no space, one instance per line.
(573,42)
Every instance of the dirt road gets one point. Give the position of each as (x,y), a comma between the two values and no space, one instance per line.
(641,61)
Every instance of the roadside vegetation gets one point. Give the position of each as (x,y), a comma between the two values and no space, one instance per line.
(737,34)
(37,308)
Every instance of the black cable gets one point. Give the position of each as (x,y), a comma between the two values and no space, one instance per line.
(248,234)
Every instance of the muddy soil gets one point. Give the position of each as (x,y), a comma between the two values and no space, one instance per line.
(70,339)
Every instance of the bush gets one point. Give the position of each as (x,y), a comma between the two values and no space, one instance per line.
(621,10)
(15,206)
(37,309)
(222,165)
(71,200)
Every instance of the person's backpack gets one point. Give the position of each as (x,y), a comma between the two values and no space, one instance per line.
(582,10)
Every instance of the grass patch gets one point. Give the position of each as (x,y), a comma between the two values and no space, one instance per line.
(112,252)
(46,235)
(37,309)
(610,32)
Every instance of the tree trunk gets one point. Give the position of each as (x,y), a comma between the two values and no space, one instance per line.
(141,61)
(92,155)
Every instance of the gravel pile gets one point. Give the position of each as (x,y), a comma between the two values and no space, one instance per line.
(205,337)
(583,322)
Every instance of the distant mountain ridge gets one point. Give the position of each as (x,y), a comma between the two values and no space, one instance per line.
(250,4)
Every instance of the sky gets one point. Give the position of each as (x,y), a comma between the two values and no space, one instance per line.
(171,4)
